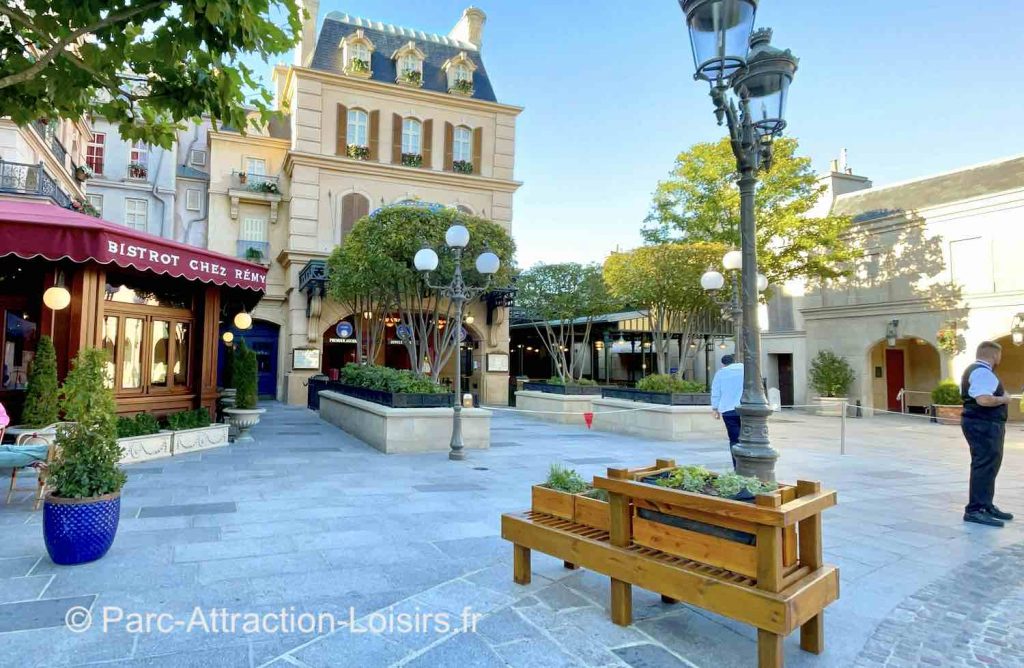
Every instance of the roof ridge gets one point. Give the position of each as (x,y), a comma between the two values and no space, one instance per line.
(930,177)
(391,29)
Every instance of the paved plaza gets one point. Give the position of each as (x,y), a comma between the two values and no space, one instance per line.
(308,519)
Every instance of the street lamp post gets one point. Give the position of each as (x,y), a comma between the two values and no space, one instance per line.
(487,264)
(749,81)
(732,306)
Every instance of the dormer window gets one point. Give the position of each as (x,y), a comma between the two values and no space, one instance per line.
(409,64)
(357,54)
(460,74)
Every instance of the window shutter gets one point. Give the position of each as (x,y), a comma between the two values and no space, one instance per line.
(428,144)
(396,139)
(449,147)
(342,141)
(478,150)
(374,132)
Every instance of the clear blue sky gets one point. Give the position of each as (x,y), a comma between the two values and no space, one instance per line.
(910,88)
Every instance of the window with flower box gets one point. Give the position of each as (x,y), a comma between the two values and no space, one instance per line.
(94,152)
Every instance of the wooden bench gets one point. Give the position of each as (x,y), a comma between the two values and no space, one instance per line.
(764,567)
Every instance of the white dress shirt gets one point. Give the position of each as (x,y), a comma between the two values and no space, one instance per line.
(727,388)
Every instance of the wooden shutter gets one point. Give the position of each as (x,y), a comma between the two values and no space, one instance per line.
(374,131)
(342,141)
(478,150)
(396,139)
(449,146)
(428,144)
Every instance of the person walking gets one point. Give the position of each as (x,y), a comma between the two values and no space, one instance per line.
(984,426)
(726,390)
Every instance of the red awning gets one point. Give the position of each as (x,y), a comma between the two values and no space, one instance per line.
(38,229)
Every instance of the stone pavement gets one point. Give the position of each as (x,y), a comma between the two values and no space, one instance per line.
(309,520)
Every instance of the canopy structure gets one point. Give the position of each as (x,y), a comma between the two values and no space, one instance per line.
(36,229)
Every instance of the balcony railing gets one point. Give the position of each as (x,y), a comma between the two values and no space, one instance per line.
(24,179)
(258,183)
(254,251)
(49,135)
(137,171)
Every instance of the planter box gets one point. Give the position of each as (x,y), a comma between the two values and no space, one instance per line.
(661,398)
(391,399)
(573,389)
(947,414)
(659,422)
(591,512)
(392,430)
(203,438)
(143,448)
(552,502)
(560,408)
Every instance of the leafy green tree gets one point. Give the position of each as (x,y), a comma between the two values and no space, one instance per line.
(664,280)
(89,454)
(360,282)
(147,65)
(701,202)
(557,297)
(245,377)
(831,375)
(42,399)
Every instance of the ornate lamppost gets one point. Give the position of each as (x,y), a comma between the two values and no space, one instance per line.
(487,264)
(732,307)
(749,81)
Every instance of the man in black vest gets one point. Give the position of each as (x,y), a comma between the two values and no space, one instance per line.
(984,426)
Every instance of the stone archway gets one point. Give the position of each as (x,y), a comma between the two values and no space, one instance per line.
(913,367)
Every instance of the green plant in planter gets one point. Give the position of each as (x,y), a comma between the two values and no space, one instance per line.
(947,393)
(358,152)
(194,419)
(385,379)
(687,478)
(414,77)
(831,375)
(41,397)
(464,86)
(462,167)
(699,480)
(412,159)
(663,382)
(565,480)
(730,484)
(245,377)
(142,424)
(228,373)
(89,453)
(558,380)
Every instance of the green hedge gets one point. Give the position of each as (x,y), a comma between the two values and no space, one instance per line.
(555,380)
(200,417)
(666,383)
(385,379)
(142,424)
(947,394)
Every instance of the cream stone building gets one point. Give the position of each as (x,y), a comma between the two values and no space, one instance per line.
(942,260)
(376,114)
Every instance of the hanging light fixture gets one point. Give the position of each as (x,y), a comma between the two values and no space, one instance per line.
(57,297)
(470,319)
(242,320)
(227,337)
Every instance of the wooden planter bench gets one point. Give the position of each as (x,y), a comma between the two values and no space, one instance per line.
(777,584)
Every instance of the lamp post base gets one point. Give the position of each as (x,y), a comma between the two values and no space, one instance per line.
(456,455)
(754,454)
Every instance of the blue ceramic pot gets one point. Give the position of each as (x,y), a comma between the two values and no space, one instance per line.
(80,530)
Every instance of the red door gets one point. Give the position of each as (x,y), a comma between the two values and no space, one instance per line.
(894,378)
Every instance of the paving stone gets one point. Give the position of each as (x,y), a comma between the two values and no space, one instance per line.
(16,566)
(41,614)
(559,597)
(649,656)
(187,510)
(24,588)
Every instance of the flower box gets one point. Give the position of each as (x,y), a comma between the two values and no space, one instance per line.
(947,414)
(143,448)
(551,388)
(553,502)
(393,399)
(591,512)
(662,398)
(201,438)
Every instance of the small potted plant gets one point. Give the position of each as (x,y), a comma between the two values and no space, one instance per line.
(412,160)
(357,152)
(83,173)
(462,167)
(831,377)
(137,170)
(947,403)
(244,415)
(462,86)
(81,513)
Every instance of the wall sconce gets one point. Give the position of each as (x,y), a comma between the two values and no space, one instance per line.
(892,333)
(1017,332)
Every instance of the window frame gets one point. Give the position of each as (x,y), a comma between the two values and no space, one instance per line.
(95,152)
(139,154)
(95,196)
(133,201)
(467,142)
(408,135)
(149,315)
(352,127)
(192,157)
(407,58)
(250,161)
(198,194)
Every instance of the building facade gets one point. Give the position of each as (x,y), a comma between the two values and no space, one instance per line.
(44,159)
(377,115)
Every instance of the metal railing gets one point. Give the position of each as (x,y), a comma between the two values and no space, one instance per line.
(49,136)
(25,179)
(260,183)
(254,251)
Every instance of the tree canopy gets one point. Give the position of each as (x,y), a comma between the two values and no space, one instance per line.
(146,65)
(700,202)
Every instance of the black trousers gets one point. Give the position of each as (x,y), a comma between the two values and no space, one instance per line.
(986,440)
(732,427)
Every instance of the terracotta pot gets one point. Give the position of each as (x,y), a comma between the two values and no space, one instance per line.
(947,414)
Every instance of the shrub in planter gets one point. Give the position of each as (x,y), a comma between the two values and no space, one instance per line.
(41,397)
(831,375)
(142,424)
(555,496)
(386,379)
(663,382)
(195,419)
(80,515)
(947,402)
(244,415)
(556,380)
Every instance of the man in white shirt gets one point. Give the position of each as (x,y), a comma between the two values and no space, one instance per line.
(726,390)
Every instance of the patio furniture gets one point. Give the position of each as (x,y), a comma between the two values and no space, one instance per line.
(36,450)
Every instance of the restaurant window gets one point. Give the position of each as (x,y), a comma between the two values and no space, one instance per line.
(19,345)
(94,152)
(131,355)
(110,345)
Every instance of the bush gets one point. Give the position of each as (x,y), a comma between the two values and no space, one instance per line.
(663,382)
(947,394)
(196,419)
(565,480)
(245,377)
(142,424)
(87,464)
(556,380)
(700,480)
(831,375)
(42,397)
(228,374)
(385,379)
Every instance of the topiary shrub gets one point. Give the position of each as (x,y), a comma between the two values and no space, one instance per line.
(947,393)
(245,377)
(142,424)
(89,453)
(663,382)
(42,396)
(831,375)
(227,375)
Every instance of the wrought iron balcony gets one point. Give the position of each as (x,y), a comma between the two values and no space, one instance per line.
(313,277)
(49,136)
(20,178)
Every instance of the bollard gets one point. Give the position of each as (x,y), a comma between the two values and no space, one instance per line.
(842,430)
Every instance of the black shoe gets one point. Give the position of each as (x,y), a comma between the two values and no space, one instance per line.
(980,517)
(999,515)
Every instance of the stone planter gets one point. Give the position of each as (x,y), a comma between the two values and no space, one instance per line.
(244,419)
(661,398)
(832,406)
(143,448)
(201,438)
(572,389)
(560,408)
(655,421)
(392,399)
(947,414)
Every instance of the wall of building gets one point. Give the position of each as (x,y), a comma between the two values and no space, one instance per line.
(192,163)
(26,145)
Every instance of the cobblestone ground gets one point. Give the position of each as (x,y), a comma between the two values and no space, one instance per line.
(972,617)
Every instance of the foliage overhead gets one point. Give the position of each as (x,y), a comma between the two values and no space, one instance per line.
(831,375)
(701,202)
(146,65)
(42,397)
(245,377)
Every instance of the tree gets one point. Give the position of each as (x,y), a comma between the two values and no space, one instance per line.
(246,370)
(700,202)
(664,280)
(383,245)
(42,397)
(359,281)
(555,297)
(147,65)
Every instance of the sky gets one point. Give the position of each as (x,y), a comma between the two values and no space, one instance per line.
(910,88)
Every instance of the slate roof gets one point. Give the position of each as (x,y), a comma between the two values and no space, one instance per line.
(189,172)
(978,181)
(386,40)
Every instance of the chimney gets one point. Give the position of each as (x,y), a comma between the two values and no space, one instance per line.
(470,27)
(307,41)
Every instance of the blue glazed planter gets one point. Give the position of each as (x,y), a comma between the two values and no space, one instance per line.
(77,531)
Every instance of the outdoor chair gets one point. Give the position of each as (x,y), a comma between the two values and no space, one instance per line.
(35,450)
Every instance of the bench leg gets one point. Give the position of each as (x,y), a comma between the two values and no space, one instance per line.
(521,564)
(622,602)
(571,566)
(668,599)
(812,634)
(769,649)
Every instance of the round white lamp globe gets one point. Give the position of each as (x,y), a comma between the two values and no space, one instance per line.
(488,263)
(227,337)
(425,260)
(712,280)
(733,261)
(457,236)
(57,298)
(762,282)
(243,320)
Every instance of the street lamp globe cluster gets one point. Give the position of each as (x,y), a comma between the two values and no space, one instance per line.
(749,81)
(713,282)
(456,238)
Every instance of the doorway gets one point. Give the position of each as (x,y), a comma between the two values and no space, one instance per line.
(895,378)
(785,367)
(262,338)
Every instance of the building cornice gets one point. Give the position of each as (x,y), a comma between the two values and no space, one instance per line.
(400,173)
(922,305)
(290,256)
(249,139)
